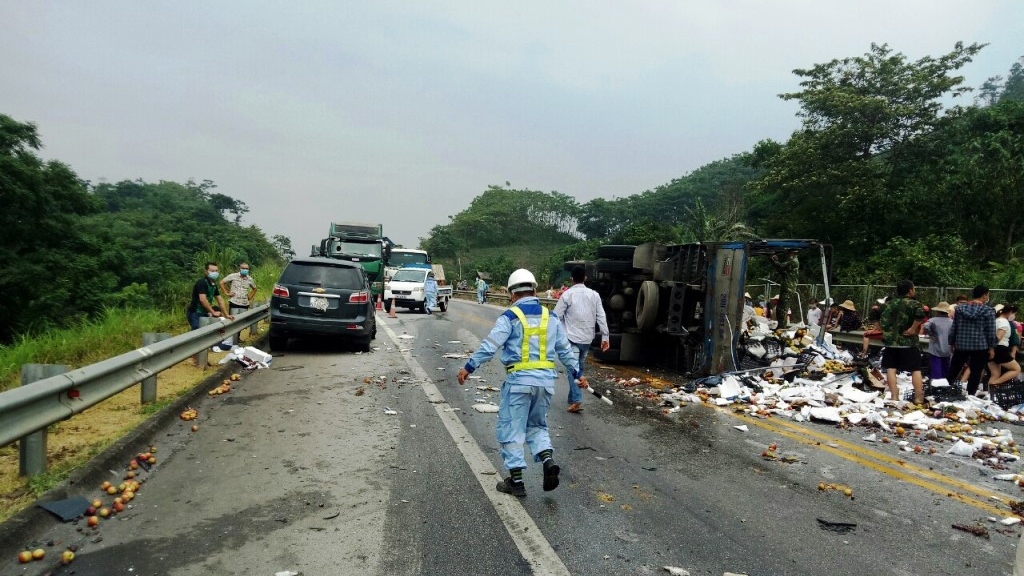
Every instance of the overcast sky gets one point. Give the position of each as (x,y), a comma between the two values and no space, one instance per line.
(403,112)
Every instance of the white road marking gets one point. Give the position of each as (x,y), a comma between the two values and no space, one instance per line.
(536,550)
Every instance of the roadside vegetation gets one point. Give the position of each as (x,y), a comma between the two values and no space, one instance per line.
(86,269)
(900,182)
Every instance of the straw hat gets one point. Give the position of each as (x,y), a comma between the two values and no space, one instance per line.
(776,297)
(747,295)
(848,305)
(941,307)
(999,308)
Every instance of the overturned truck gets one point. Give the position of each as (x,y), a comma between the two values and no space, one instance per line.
(681,305)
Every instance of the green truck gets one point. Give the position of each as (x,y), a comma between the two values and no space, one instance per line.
(358,242)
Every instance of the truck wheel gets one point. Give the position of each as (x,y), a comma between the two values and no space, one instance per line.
(443,304)
(616,252)
(647,307)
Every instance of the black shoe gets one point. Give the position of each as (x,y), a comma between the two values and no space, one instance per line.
(551,471)
(507,486)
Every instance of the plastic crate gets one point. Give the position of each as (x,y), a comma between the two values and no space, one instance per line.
(1009,394)
(953,392)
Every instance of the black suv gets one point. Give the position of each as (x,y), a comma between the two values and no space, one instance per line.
(322,297)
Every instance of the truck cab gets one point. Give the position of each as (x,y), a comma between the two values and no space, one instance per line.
(360,243)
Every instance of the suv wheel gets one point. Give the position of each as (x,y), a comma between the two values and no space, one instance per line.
(278,343)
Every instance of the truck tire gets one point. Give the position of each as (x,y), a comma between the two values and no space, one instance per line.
(615,266)
(647,307)
(616,252)
(443,304)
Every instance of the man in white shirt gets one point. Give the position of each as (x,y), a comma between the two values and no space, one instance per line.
(579,309)
(814,314)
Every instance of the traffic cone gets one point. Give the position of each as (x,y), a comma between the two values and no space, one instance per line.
(380,302)
(393,308)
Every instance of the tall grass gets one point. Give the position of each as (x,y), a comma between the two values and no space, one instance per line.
(116,332)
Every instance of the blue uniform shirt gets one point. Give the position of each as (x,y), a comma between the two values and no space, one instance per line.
(430,286)
(507,336)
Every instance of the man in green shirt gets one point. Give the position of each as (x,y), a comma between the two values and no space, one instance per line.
(901,321)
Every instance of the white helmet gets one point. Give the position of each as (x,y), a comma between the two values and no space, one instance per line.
(522,280)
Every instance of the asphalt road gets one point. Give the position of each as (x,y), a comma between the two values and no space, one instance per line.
(298,470)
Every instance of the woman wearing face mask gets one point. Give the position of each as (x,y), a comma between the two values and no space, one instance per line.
(1004,366)
(240,288)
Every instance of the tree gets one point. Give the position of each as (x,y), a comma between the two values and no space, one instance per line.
(51,272)
(834,179)
(283,245)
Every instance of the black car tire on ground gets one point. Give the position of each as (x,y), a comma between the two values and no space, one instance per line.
(278,343)
(443,304)
(617,266)
(616,252)
(363,345)
(373,334)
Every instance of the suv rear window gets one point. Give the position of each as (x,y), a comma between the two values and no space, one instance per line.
(343,277)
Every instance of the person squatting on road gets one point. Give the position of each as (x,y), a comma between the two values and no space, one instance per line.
(972,338)
(529,340)
(901,323)
(579,310)
(430,293)
(204,293)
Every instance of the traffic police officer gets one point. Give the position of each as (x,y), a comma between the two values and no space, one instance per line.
(529,337)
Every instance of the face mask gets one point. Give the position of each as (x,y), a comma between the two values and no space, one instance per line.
(244,272)
(214,275)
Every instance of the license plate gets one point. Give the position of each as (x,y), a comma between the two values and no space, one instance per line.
(319,303)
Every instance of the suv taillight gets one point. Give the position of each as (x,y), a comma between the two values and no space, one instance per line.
(280,291)
(359,298)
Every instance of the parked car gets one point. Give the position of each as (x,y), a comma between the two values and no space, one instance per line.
(322,297)
(406,288)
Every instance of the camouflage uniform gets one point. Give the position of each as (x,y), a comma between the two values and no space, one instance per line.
(897,316)
(788,270)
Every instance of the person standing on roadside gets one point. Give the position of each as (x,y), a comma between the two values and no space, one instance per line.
(529,340)
(788,270)
(204,294)
(972,337)
(814,314)
(579,310)
(937,328)
(240,288)
(430,293)
(901,322)
(481,290)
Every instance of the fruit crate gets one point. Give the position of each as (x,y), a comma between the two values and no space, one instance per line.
(953,392)
(1009,394)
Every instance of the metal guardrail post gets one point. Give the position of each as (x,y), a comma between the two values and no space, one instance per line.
(148,392)
(32,447)
(203,356)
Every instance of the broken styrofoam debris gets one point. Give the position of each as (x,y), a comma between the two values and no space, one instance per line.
(454,356)
(286,573)
(1010,521)
(406,337)
(870,438)
(486,408)
(741,428)
(962,448)
(390,412)
(676,571)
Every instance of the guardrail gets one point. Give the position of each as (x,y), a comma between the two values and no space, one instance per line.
(29,409)
(500,297)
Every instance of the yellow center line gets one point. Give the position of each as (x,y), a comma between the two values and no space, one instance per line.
(871,453)
(895,472)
